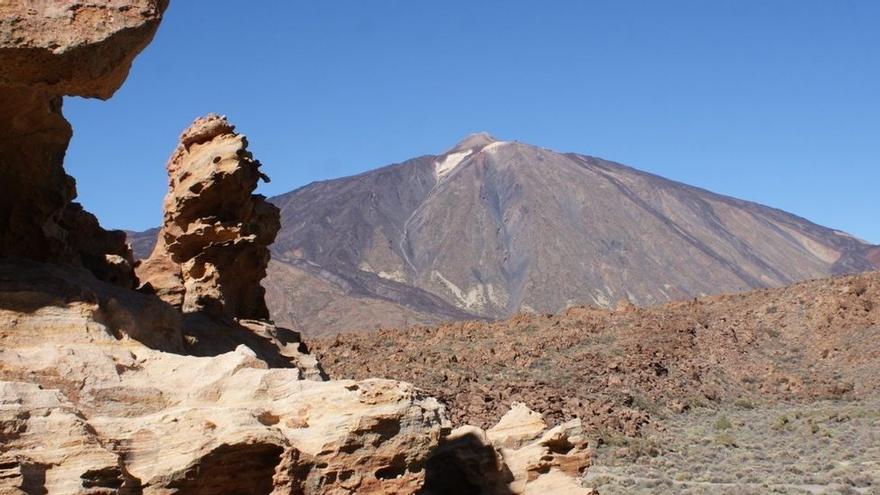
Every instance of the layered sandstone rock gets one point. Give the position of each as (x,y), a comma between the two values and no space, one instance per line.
(97,395)
(47,50)
(47,446)
(213,250)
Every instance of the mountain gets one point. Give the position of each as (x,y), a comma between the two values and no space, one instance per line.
(490,228)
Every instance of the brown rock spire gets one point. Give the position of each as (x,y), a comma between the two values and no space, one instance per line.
(213,248)
(49,49)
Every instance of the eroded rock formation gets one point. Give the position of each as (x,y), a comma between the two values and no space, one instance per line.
(97,393)
(84,404)
(213,248)
(107,390)
(518,456)
(48,50)
(100,392)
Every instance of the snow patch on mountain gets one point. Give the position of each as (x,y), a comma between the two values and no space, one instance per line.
(449,162)
(494,146)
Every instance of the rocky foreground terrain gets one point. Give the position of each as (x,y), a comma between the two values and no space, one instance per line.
(771,391)
(621,369)
(169,377)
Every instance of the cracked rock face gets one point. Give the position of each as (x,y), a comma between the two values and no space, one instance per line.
(50,49)
(213,248)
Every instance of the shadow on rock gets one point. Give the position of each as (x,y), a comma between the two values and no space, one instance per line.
(466,464)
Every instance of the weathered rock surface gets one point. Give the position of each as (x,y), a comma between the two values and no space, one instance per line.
(213,247)
(515,457)
(63,454)
(87,407)
(185,388)
(77,47)
(519,424)
(47,50)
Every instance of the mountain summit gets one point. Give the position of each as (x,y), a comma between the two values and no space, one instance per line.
(490,228)
(474,141)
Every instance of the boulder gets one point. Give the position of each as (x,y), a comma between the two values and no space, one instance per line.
(553,463)
(520,424)
(518,456)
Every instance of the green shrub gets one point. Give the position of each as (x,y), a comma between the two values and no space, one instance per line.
(722,423)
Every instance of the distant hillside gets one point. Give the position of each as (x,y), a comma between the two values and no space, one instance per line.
(621,369)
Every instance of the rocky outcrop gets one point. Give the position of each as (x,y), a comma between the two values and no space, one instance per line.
(551,462)
(48,50)
(106,390)
(97,395)
(213,250)
(518,456)
(77,47)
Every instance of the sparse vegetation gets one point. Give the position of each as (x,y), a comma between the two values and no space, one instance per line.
(685,398)
(827,447)
(722,423)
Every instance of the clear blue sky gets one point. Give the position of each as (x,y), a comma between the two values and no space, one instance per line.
(776,102)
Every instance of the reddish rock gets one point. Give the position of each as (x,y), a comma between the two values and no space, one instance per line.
(619,370)
(47,50)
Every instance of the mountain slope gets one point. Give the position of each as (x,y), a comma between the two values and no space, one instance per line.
(494,227)
(491,227)
(619,369)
